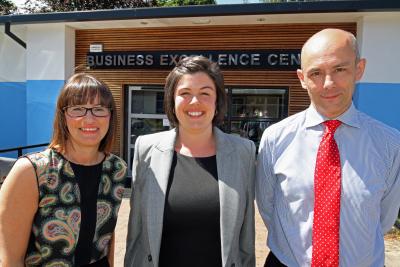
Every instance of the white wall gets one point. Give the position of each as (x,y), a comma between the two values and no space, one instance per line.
(379,38)
(50,52)
(12,55)
(69,52)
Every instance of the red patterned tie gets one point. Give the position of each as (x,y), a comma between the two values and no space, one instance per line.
(327,183)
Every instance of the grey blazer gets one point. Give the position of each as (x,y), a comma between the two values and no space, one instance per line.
(150,173)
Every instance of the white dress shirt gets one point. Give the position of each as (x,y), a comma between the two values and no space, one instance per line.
(370,194)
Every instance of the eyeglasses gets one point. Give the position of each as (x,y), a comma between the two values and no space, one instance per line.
(77,111)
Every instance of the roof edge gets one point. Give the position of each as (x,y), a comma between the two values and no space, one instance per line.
(205,10)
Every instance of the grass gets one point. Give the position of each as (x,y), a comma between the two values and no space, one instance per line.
(394,233)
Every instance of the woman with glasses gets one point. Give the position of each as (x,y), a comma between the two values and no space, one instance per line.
(192,200)
(59,207)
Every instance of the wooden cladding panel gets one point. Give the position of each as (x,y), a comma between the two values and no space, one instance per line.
(236,37)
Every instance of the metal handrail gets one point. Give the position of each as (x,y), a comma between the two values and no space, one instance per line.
(20,148)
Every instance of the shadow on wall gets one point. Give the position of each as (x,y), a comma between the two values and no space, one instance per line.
(5,167)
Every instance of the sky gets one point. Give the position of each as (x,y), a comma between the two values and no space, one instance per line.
(20,3)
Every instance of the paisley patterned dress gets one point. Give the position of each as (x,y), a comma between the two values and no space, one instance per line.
(55,229)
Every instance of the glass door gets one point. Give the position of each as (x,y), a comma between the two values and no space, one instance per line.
(145,115)
(252,110)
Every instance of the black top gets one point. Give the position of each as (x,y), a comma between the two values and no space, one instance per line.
(191,227)
(88,180)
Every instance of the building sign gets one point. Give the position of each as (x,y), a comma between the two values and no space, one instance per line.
(254,59)
(96,48)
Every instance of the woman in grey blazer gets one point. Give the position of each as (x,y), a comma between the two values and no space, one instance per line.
(192,200)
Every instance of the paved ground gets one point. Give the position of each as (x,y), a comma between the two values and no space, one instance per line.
(392,250)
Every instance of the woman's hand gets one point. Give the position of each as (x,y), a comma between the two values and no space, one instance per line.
(110,255)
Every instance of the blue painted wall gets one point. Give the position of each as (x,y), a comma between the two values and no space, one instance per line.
(12,116)
(41,98)
(379,100)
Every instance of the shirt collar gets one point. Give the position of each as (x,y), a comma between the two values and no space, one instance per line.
(349,117)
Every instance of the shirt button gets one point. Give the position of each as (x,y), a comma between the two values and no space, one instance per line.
(149,257)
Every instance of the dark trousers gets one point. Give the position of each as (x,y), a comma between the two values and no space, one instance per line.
(273,261)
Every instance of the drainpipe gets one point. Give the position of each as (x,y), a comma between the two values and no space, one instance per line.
(13,36)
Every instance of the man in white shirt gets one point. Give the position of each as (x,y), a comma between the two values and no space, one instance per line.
(367,196)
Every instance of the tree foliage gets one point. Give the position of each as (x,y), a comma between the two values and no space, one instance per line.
(287,1)
(34,6)
(7,7)
(185,2)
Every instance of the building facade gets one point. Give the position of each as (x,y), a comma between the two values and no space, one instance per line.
(256,45)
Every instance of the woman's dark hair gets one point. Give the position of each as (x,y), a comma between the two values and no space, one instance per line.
(82,88)
(192,65)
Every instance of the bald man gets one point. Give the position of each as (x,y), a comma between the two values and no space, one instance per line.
(328,178)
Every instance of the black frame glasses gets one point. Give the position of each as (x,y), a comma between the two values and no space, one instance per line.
(78,111)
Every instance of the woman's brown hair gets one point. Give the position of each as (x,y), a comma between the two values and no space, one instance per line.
(192,65)
(82,88)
